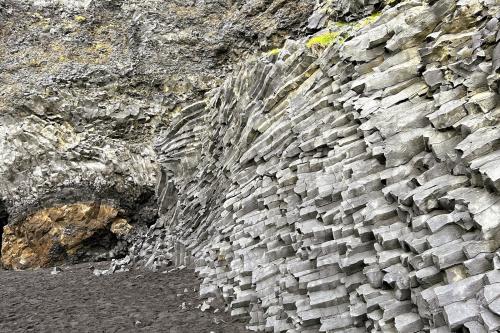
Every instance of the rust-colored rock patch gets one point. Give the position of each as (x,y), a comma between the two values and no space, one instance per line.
(56,234)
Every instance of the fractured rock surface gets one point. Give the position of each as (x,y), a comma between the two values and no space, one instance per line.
(86,85)
(58,234)
(349,190)
(348,186)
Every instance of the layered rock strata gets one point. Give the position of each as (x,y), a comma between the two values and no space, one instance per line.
(86,85)
(347,189)
(353,189)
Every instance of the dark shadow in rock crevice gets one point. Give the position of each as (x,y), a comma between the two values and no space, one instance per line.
(4,219)
(101,246)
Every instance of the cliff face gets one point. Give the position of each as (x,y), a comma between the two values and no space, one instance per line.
(349,189)
(66,233)
(347,182)
(86,85)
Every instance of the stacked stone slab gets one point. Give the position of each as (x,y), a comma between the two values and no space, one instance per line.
(352,191)
(85,87)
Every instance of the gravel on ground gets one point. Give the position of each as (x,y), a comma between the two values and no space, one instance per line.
(75,300)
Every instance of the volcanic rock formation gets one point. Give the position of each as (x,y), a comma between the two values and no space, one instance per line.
(346,182)
(349,189)
(65,233)
(86,85)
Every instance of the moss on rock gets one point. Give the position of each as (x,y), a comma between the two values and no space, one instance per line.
(323,40)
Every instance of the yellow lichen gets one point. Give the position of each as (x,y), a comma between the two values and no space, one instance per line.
(34,63)
(57,47)
(340,24)
(41,21)
(274,52)
(80,18)
(340,31)
(356,25)
(97,53)
(367,21)
(323,40)
(62,58)
(37,16)
(101,47)
(104,29)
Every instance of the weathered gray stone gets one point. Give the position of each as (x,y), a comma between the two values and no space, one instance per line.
(491,321)
(458,313)
(459,291)
(448,114)
(475,327)
(408,323)
(348,187)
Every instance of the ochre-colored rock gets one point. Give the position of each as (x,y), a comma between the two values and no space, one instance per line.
(121,227)
(55,234)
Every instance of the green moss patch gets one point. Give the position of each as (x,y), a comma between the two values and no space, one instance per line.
(323,40)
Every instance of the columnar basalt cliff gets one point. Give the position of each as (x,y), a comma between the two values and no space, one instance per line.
(349,189)
(86,85)
(348,181)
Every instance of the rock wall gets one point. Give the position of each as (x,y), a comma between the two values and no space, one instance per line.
(346,182)
(86,85)
(350,189)
(65,233)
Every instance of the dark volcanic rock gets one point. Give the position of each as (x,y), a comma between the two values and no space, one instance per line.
(348,186)
(345,182)
(86,85)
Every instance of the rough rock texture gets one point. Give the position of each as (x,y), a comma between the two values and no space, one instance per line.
(334,11)
(353,189)
(348,186)
(65,233)
(85,86)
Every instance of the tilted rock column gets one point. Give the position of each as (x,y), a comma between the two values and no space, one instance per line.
(352,190)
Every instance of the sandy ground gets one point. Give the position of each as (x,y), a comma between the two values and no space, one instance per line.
(77,301)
